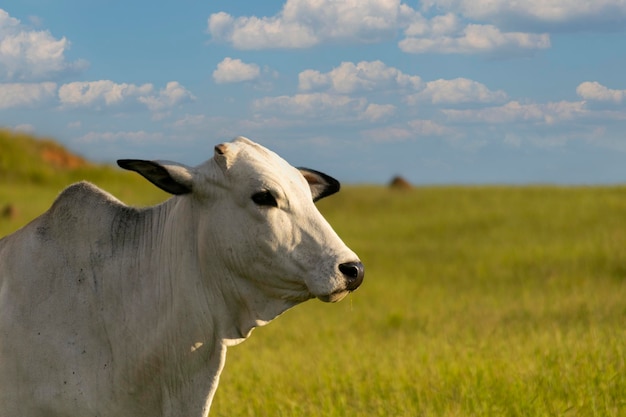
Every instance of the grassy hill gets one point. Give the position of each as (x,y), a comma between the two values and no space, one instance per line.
(26,159)
(34,170)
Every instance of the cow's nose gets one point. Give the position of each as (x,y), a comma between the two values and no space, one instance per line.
(354,273)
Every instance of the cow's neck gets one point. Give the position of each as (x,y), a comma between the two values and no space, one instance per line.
(202,306)
(251,306)
(180,353)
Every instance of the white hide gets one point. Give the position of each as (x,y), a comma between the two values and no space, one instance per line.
(112,311)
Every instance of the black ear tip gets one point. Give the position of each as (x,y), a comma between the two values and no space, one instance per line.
(333,185)
(133,164)
(321,184)
(124,163)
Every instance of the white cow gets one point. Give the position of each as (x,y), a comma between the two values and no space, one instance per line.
(108,310)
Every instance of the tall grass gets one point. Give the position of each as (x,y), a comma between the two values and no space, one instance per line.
(478,301)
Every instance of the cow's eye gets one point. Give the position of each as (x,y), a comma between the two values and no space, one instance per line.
(264,198)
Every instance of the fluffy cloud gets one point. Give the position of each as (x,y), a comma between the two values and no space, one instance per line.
(109,93)
(367,76)
(452,26)
(311,105)
(515,111)
(32,55)
(344,94)
(533,14)
(473,39)
(305,23)
(364,76)
(234,71)
(440,25)
(168,97)
(593,90)
(25,94)
(330,107)
(458,90)
(105,92)
(255,33)
(448,34)
(412,130)
(377,112)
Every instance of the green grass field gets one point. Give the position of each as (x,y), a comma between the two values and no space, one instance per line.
(477,301)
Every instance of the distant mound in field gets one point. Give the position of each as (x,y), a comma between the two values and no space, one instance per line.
(399,183)
(27,158)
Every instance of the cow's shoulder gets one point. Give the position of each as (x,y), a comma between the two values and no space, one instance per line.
(80,206)
(84,198)
(86,192)
(83,207)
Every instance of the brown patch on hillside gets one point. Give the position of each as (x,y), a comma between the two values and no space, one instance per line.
(399,183)
(59,157)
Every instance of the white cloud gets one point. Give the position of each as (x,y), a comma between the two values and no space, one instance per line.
(593,90)
(377,112)
(30,54)
(458,90)
(89,93)
(108,93)
(440,25)
(234,71)
(220,25)
(567,14)
(330,107)
(412,130)
(309,80)
(473,39)
(311,105)
(168,97)
(344,93)
(364,76)
(452,26)
(515,111)
(25,94)
(190,120)
(255,33)
(422,127)
(305,23)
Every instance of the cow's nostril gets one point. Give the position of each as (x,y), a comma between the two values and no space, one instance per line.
(354,273)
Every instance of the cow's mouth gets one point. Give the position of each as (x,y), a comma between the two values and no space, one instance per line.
(334,296)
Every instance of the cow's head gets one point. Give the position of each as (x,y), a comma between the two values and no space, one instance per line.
(255,214)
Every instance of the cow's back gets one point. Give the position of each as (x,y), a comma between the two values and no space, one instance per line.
(53,342)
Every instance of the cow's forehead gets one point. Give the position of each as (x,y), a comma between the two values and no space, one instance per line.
(258,163)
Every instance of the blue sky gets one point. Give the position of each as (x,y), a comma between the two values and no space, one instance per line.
(438,91)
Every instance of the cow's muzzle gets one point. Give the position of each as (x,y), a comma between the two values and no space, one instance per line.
(353,273)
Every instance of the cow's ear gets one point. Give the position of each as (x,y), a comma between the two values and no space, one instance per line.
(321,184)
(169,176)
